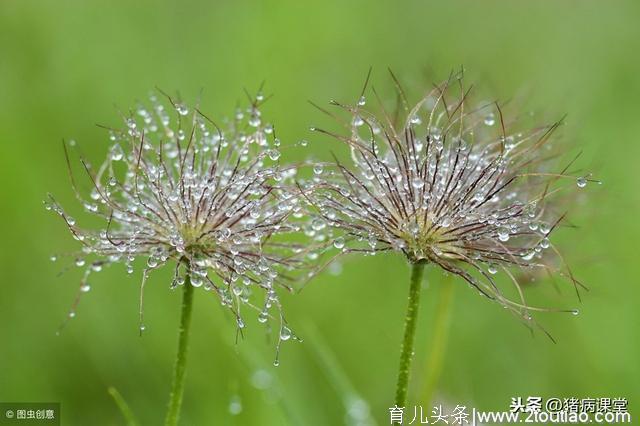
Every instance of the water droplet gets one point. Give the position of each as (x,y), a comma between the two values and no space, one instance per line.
(261,379)
(581,182)
(529,255)
(274,154)
(285,333)
(80,262)
(263,317)
(71,221)
(318,224)
(417,183)
(254,121)
(338,243)
(182,109)
(85,287)
(116,153)
(53,258)
(196,280)
(362,101)
(490,120)
(318,169)
(235,406)
(237,290)
(503,235)
(254,213)
(575,312)
(493,269)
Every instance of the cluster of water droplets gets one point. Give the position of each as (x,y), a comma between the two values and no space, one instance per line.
(212,199)
(451,185)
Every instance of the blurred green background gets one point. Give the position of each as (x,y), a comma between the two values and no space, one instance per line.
(65,64)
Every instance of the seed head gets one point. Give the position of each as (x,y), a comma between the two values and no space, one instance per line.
(177,189)
(450,182)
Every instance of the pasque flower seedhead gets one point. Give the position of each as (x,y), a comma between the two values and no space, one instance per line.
(213,201)
(450,182)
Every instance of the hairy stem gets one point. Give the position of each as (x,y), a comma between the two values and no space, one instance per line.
(406,351)
(177,387)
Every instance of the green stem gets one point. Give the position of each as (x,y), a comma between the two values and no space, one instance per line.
(177,387)
(130,419)
(406,351)
(438,343)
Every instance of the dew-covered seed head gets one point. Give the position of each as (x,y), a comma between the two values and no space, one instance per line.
(212,200)
(450,181)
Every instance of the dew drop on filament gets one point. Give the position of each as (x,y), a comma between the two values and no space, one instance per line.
(285,333)
(581,182)
(417,183)
(490,120)
(196,280)
(182,110)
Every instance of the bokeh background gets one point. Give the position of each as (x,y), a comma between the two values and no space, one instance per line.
(67,65)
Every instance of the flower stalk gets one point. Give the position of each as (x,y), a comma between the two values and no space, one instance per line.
(438,342)
(406,351)
(177,387)
(125,410)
